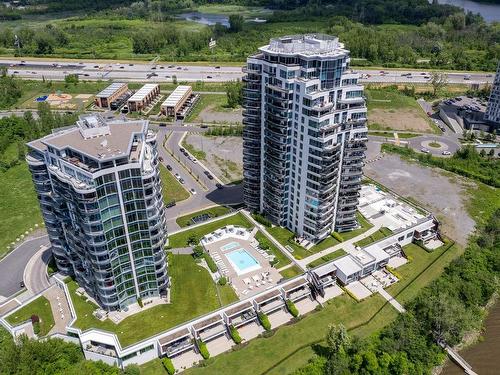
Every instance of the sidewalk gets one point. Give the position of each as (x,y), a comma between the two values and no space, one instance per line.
(391,300)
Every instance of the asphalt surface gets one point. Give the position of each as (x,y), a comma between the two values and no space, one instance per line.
(164,72)
(207,194)
(13,265)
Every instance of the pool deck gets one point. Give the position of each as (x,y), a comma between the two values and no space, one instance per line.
(248,283)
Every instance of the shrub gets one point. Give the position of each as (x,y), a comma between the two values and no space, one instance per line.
(169,366)
(203,350)
(235,335)
(210,263)
(337,236)
(292,308)
(264,320)
(223,281)
(132,370)
(262,220)
(193,239)
(139,301)
(36,328)
(35,318)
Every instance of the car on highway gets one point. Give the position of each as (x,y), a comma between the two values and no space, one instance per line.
(171,66)
(219,186)
(217,67)
(424,150)
(122,67)
(181,180)
(208,77)
(185,68)
(162,67)
(86,74)
(446,153)
(192,191)
(96,66)
(16,72)
(130,64)
(169,167)
(179,68)
(153,67)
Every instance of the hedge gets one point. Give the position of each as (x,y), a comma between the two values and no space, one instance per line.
(262,220)
(203,350)
(292,308)
(169,366)
(337,236)
(210,263)
(264,320)
(235,335)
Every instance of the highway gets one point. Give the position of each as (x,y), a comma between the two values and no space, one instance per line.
(165,72)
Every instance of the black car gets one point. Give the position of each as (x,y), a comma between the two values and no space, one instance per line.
(169,167)
(162,124)
(21,284)
(182,150)
(160,158)
(210,177)
(219,186)
(170,204)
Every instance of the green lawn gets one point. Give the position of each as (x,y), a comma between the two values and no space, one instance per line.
(291,272)
(290,348)
(193,293)
(226,294)
(336,254)
(378,235)
(185,220)
(390,134)
(39,307)
(388,99)
(324,244)
(171,188)
(282,259)
(285,238)
(19,206)
(365,225)
(181,239)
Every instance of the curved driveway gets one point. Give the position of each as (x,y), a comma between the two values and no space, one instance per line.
(447,144)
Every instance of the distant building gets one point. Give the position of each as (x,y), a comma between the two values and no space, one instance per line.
(304,136)
(100,193)
(493,108)
(110,94)
(143,97)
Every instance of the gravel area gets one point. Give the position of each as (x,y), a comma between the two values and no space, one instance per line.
(210,115)
(224,155)
(440,192)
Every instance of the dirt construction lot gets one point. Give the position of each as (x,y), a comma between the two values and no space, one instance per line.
(437,191)
(224,155)
(400,119)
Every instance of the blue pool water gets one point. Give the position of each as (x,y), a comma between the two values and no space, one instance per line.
(242,261)
(229,246)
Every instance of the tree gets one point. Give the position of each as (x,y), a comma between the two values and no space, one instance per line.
(438,82)
(71,79)
(236,23)
(338,342)
(234,92)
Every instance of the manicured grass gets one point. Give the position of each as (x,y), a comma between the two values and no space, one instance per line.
(324,244)
(389,134)
(19,208)
(171,188)
(378,235)
(226,294)
(193,293)
(365,225)
(181,239)
(413,279)
(291,272)
(154,367)
(262,353)
(388,99)
(185,220)
(282,259)
(285,238)
(434,145)
(336,254)
(39,307)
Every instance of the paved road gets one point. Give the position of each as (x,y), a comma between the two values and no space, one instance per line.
(142,71)
(231,194)
(35,272)
(12,266)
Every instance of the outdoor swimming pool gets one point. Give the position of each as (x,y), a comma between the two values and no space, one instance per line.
(230,246)
(242,261)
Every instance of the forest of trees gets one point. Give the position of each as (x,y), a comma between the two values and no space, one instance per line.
(445,310)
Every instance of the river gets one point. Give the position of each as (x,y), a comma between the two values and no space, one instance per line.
(484,357)
(490,12)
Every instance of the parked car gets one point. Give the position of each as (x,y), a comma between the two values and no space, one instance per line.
(181,180)
(203,126)
(169,167)
(21,284)
(219,186)
(192,191)
(182,150)
(446,153)
(177,176)
(160,158)
(210,177)
(194,160)
(170,204)
(162,124)
(424,150)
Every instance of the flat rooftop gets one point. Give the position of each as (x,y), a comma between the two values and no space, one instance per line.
(143,92)
(347,265)
(307,45)
(106,141)
(111,89)
(176,95)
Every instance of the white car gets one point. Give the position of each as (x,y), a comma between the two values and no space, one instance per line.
(447,153)
(177,176)
(194,160)
(192,191)
(424,150)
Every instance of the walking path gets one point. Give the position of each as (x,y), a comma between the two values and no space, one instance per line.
(391,300)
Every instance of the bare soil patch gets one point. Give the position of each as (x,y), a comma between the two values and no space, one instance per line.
(398,119)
